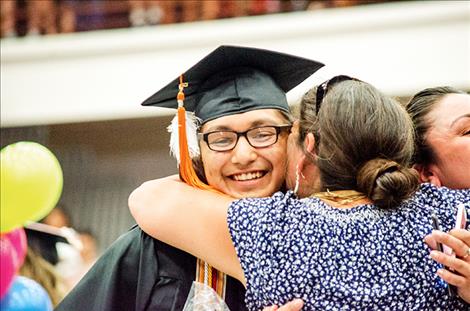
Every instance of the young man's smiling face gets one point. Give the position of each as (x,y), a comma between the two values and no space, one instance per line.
(246,171)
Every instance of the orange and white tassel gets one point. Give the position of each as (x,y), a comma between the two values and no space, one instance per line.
(192,125)
(187,172)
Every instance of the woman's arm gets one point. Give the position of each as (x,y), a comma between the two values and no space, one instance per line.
(187,218)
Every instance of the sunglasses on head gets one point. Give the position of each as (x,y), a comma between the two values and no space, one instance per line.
(326,86)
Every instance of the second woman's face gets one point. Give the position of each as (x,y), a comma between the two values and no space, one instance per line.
(449,137)
(246,171)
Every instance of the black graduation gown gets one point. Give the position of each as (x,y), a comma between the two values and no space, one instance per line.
(138,272)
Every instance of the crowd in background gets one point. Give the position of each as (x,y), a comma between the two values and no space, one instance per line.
(58,262)
(37,17)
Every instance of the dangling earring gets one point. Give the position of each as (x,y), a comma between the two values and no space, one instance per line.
(297,179)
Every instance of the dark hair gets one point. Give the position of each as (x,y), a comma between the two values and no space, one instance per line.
(420,105)
(364,142)
(199,168)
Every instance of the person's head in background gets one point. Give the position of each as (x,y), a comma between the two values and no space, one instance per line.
(358,138)
(239,96)
(441,116)
(58,218)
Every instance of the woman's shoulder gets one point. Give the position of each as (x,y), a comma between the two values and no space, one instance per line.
(278,199)
(430,194)
(253,214)
(440,201)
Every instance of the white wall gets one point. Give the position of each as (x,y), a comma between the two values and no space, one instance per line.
(399,47)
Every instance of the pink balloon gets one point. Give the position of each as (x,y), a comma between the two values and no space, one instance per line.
(19,242)
(12,253)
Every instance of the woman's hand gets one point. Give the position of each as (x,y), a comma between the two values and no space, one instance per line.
(294,305)
(459,241)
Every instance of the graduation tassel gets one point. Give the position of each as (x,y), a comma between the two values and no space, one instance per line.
(186,169)
(210,275)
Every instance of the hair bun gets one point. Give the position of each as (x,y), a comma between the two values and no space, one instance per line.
(386,182)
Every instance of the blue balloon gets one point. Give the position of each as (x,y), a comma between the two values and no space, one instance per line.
(26,295)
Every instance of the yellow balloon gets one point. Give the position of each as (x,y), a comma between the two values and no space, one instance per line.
(31,183)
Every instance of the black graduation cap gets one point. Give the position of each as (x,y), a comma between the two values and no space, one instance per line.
(235,79)
(43,238)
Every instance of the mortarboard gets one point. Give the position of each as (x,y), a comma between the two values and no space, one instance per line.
(43,238)
(234,79)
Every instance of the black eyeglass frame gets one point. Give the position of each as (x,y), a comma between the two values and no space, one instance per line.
(323,88)
(278,128)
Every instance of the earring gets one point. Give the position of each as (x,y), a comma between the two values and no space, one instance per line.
(297,179)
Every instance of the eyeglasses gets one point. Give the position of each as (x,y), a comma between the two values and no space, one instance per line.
(326,86)
(257,137)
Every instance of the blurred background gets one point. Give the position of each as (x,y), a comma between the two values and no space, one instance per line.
(73,75)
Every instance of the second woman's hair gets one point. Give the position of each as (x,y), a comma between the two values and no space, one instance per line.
(419,107)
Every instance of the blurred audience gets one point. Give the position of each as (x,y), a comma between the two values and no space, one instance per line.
(322,4)
(71,262)
(58,256)
(67,16)
(36,17)
(145,12)
(37,268)
(45,254)
(42,16)
(74,265)
(7,21)
(58,218)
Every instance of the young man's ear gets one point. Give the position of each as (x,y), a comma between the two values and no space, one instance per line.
(295,127)
(428,173)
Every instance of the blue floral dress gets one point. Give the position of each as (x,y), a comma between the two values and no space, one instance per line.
(362,258)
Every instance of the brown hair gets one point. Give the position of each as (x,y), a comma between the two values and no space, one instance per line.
(199,168)
(307,118)
(364,141)
(420,105)
(38,269)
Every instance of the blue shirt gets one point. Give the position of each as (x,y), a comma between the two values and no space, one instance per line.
(360,258)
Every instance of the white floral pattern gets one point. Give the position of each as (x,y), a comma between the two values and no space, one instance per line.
(362,258)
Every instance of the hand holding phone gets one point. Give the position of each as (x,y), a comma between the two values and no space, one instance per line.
(461,221)
(435,224)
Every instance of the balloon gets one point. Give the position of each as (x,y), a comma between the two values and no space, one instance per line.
(26,295)
(19,242)
(12,253)
(8,265)
(31,183)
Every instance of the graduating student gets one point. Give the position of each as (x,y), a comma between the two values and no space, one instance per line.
(238,95)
